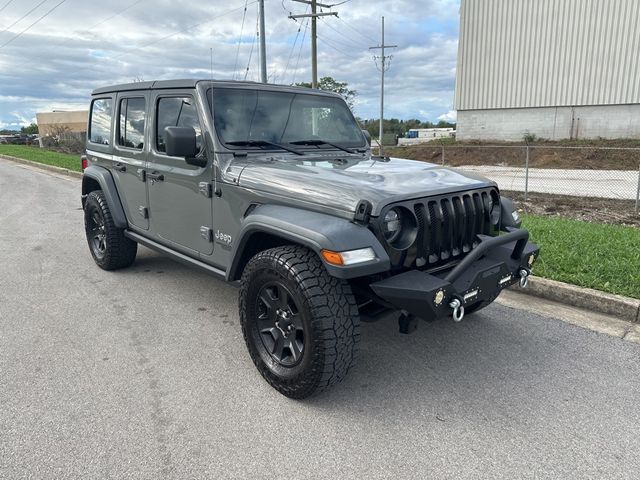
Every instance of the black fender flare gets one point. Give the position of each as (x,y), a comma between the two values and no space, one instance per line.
(317,231)
(104,178)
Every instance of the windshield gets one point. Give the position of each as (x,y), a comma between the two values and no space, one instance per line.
(243,116)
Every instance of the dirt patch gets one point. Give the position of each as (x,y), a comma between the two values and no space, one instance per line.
(601,210)
(596,156)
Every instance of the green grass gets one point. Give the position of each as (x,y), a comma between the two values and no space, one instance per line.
(594,255)
(42,155)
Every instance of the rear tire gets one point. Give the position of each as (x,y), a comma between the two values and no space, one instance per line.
(301,325)
(108,246)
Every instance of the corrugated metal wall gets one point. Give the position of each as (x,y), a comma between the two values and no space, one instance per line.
(536,53)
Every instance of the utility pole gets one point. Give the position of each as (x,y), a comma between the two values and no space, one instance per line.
(263,45)
(314,34)
(383,67)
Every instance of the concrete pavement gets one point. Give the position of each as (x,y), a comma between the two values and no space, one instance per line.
(143,373)
(619,184)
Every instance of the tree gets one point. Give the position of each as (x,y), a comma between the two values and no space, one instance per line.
(30,130)
(329,84)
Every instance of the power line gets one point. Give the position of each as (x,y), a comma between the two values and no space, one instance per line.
(383,68)
(368,38)
(253,44)
(244,16)
(6,5)
(339,50)
(304,34)
(190,27)
(114,15)
(24,16)
(293,48)
(37,21)
(314,37)
(354,42)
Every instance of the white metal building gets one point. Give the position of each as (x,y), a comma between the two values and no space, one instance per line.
(554,68)
(424,135)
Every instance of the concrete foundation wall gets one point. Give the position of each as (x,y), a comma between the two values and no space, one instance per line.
(553,123)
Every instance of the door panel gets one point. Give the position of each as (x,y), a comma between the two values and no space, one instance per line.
(130,157)
(178,211)
(128,173)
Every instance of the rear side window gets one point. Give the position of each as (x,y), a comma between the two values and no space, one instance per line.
(131,123)
(100,125)
(176,112)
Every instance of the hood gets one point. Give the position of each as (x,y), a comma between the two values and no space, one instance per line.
(342,182)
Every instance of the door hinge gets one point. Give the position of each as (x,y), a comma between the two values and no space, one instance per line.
(206,233)
(142,175)
(206,189)
(143,211)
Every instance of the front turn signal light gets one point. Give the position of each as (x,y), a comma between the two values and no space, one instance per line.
(351,257)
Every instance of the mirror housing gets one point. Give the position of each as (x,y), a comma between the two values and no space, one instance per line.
(367,135)
(181,142)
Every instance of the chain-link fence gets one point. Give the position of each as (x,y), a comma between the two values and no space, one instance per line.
(608,175)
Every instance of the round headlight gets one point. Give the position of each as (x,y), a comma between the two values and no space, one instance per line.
(392,225)
(400,228)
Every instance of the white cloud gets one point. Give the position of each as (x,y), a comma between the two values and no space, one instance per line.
(58,63)
(450,116)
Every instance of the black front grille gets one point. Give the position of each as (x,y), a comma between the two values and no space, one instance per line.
(448,225)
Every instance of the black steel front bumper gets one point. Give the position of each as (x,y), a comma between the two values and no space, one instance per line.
(492,266)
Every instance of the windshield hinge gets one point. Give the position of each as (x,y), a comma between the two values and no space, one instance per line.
(363,212)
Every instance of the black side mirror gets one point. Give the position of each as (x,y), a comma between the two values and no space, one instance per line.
(367,135)
(181,142)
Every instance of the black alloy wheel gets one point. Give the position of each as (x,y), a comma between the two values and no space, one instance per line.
(280,324)
(97,233)
(301,325)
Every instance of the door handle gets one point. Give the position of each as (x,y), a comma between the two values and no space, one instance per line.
(155,177)
(120,167)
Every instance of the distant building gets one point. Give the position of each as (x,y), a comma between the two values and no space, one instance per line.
(424,135)
(553,68)
(56,122)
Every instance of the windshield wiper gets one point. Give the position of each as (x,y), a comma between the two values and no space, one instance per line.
(316,141)
(263,143)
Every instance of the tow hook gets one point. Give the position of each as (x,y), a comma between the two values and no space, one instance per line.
(458,309)
(524,277)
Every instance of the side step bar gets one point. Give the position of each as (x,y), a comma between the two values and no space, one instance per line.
(175,255)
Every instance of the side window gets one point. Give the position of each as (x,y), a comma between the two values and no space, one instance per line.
(100,125)
(176,112)
(131,123)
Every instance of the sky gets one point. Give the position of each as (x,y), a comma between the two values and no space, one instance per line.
(53,53)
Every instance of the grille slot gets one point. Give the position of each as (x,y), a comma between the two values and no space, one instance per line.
(448,225)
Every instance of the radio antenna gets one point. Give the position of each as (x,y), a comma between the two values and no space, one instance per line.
(215,173)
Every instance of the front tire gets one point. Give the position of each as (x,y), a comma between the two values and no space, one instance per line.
(301,325)
(108,246)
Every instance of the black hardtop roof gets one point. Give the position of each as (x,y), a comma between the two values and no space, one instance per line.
(191,83)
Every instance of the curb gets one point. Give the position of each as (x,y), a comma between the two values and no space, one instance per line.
(44,166)
(624,308)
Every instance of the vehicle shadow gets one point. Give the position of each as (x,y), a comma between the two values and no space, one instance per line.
(490,355)
(497,355)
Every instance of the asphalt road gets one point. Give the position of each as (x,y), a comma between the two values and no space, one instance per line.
(143,373)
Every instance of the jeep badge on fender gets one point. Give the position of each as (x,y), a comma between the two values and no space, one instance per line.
(275,188)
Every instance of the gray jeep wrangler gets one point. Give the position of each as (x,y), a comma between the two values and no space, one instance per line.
(276,188)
